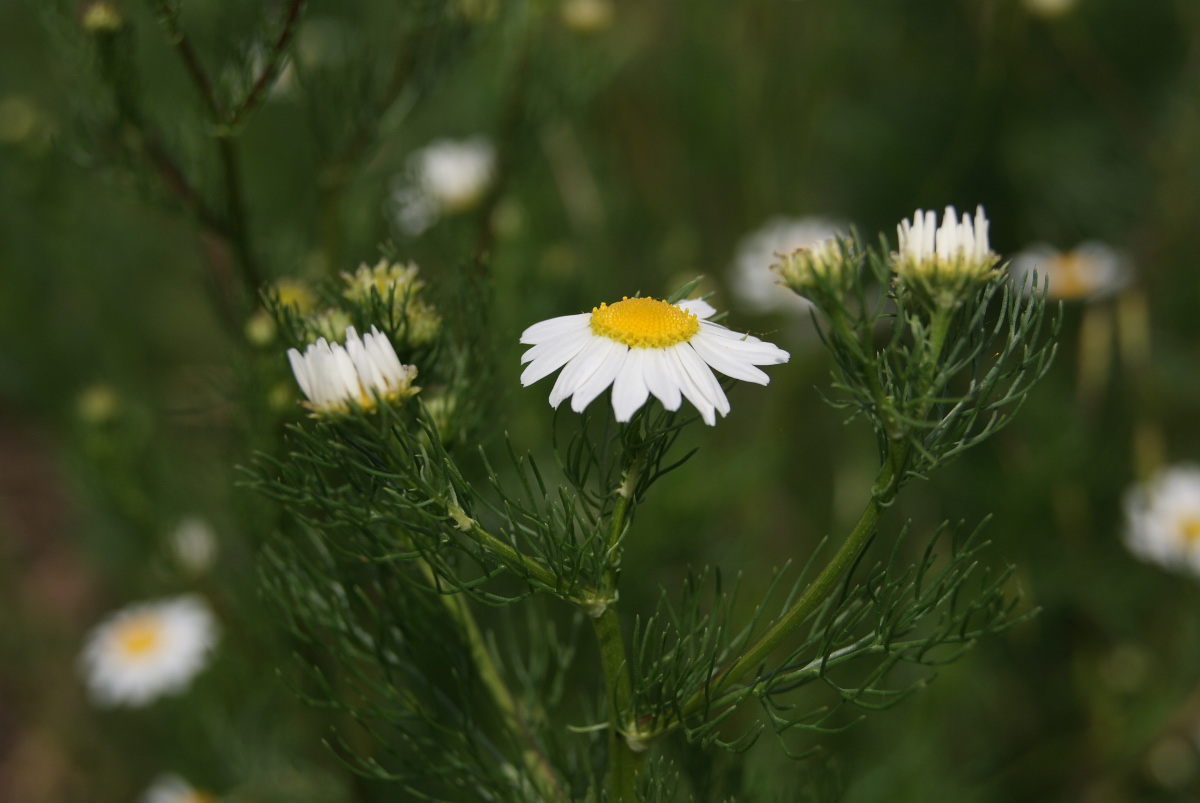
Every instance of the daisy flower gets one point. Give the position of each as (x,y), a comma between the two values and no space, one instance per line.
(643,346)
(194,545)
(751,279)
(940,264)
(1162,519)
(171,788)
(146,650)
(1088,272)
(333,377)
(444,177)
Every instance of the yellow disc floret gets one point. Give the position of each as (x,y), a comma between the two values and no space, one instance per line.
(139,636)
(644,323)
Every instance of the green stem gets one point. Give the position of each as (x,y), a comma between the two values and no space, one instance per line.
(512,557)
(811,598)
(489,673)
(237,228)
(626,756)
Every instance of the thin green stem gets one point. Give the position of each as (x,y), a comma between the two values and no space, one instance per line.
(810,599)
(506,702)
(626,757)
(512,557)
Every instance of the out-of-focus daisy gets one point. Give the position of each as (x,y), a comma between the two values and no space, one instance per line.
(171,788)
(1049,8)
(751,279)
(443,178)
(149,649)
(940,263)
(334,377)
(1090,271)
(194,545)
(586,16)
(643,346)
(1162,518)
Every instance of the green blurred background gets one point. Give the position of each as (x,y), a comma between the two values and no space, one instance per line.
(637,155)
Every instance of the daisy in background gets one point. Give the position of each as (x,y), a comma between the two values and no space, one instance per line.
(149,649)
(1162,518)
(1089,272)
(366,369)
(443,178)
(753,283)
(171,788)
(643,346)
(194,545)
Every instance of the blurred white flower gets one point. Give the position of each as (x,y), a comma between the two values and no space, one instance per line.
(586,16)
(443,178)
(333,377)
(1090,271)
(194,545)
(171,788)
(752,281)
(644,346)
(148,649)
(1049,8)
(1162,518)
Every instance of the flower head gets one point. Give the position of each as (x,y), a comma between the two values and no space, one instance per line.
(334,377)
(149,649)
(194,545)
(171,788)
(398,285)
(751,279)
(817,270)
(643,346)
(1089,272)
(942,263)
(443,178)
(102,17)
(586,16)
(1162,519)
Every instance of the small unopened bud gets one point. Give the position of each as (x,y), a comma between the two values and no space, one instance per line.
(260,328)
(98,404)
(819,272)
(102,18)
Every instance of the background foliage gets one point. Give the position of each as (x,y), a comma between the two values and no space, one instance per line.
(640,155)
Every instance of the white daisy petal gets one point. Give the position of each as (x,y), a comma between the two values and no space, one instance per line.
(571,342)
(333,376)
(553,327)
(698,307)
(580,367)
(597,383)
(550,362)
(719,356)
(702,375)
(629,390)
(1163,519)
(659,373)
(690,390)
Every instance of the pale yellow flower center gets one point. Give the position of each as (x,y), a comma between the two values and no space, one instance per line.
(1071,277)
(644,323)
(196,796)
(139,635)
(1189,528)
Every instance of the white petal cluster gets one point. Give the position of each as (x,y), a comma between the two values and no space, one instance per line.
(922,240)
(444,177)
(146,650)
(172,788)
(194,545)
(1162,519)
(751,279)
(591,363)
(333,377)
(1091,271)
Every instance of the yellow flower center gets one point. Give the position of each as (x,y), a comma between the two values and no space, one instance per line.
(1189,528)
(139,636)
(196,796)
(644,323)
